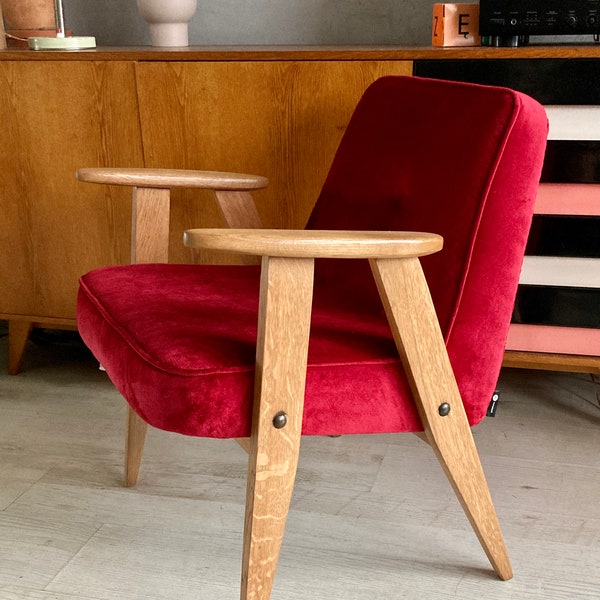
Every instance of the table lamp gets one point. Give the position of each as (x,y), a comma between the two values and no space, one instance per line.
(61,41)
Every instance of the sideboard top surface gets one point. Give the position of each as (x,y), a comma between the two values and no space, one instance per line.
(302,53)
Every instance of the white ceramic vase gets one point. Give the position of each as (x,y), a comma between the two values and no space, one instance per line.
(168,20)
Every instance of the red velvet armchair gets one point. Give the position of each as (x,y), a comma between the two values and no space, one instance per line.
(407,337)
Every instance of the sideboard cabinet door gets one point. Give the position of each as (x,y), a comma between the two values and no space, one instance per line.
(58,116)
(279,119)
(283,119)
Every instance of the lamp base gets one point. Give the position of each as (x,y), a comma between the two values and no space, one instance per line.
(62,43)
(17,38)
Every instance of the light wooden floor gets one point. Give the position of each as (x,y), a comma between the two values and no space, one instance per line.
(373,517)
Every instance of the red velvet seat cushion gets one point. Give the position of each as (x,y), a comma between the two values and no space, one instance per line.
(455,159)
(182,347)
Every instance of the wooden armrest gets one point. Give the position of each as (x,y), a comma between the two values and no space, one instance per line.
(170,178)
(316,244)
(151,202)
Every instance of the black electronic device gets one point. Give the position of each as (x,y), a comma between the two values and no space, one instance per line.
(511,22)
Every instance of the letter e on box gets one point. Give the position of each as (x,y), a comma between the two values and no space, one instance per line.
(455,25)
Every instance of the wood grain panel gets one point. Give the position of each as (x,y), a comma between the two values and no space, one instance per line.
(283,120)
(58,116)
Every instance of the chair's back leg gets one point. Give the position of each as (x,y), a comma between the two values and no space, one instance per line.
(134,446)
(238,209)
(412,317)
(281,355)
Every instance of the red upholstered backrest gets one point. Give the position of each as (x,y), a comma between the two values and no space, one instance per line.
(459,160)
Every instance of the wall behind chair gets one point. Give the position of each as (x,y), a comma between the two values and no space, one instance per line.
(403,22)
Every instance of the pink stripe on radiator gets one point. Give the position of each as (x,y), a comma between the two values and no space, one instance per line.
(556,340)
(568,199)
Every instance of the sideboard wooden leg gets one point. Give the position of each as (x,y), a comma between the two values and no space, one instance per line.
(18,334)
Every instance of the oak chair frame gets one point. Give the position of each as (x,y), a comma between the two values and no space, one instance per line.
(282,345)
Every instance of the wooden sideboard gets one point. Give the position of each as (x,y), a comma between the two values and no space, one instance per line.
(278,112)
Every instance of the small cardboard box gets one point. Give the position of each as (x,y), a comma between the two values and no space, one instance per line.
(455,25)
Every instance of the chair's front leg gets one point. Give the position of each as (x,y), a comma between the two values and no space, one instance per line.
(150,225)
(412,317)
(282,346)
(150,216)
